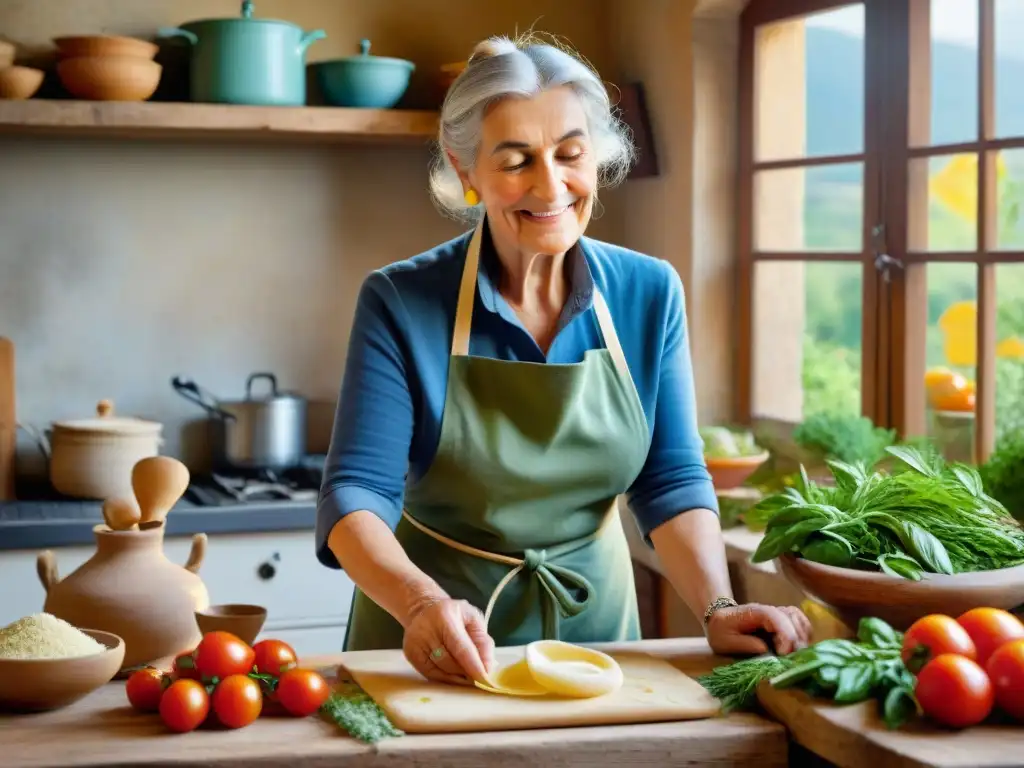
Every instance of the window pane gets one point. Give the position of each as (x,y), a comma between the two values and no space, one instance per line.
(820,208)
(943,203)
(1009,350)
(954,73)
(1010,185)
(810,85)
(950,358)
(1009,68)
(807,338)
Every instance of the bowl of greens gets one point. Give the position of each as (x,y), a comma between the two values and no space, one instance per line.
(731,455)
(919,537)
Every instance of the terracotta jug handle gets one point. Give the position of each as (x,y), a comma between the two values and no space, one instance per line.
(195,557)
(46,567)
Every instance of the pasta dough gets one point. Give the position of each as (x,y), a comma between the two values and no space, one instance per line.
(555,667)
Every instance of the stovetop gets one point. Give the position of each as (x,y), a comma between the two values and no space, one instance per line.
(229,486)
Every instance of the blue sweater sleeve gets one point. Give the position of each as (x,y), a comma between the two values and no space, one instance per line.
(675,478)
(369,453)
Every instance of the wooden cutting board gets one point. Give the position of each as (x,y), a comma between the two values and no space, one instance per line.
(654,691)
(8,419)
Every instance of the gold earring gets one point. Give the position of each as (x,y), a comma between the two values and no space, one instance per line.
(472,198)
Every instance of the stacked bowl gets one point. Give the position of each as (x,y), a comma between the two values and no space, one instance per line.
(107,67)
(16,82)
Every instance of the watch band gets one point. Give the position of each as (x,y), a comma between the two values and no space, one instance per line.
(716,605)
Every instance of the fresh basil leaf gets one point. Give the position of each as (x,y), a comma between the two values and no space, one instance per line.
(796,674)
(855,683)
(900,566)
(926,548)
(969,479)
(913,458)
(847,476)
(898,706)
(839,648)
(874,631)
(792,515)
(827,675)
(778,541)
(828,548)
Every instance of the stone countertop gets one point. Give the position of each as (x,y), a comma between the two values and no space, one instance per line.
(41,524)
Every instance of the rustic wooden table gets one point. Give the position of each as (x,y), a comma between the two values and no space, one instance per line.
(101,731)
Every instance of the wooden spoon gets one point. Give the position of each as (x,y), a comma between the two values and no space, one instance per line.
(121,514)
(158,482)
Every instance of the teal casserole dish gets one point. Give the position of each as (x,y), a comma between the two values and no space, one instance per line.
(371,82)
(246,60)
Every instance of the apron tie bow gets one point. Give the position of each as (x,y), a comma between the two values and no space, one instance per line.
(533,559)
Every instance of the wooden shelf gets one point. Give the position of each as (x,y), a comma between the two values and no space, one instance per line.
(185,121)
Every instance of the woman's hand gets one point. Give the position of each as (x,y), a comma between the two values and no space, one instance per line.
(730,631)
(447,641)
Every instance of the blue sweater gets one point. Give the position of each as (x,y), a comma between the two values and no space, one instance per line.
(388,419)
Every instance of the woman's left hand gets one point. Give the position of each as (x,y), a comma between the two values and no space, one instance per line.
(730,631)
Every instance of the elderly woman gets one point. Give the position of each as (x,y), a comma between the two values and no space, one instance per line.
(503,388)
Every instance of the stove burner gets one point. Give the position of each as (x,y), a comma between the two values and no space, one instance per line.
(221,487)
(243,489)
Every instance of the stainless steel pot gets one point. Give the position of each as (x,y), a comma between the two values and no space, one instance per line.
(265,432)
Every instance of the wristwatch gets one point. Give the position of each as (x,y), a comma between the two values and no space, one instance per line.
(716,605)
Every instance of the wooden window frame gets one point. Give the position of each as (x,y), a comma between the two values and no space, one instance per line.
(897,64)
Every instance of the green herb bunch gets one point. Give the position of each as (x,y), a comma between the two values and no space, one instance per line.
(842,437)
(923,517)
(844,671)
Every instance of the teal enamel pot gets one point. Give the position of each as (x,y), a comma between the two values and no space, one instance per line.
(246,60)
(375,82)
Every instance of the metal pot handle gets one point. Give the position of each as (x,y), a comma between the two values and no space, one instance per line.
(253,377)
(192,391)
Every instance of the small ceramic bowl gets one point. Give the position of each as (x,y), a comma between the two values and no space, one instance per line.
(38,685)
(109,78)
(243,621)
(854,594)
(104,45)
(727,473)
(18,83)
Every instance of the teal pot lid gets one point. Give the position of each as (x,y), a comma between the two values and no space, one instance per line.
(364,57)
(248,8)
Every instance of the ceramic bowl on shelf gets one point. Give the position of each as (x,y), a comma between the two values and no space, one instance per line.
(731,472)
(38,685)
(18,83)
(104,45)
(853,594)
(243,621)
(109,78)
(370,82)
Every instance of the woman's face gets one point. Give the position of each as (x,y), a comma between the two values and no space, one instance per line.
(536,173)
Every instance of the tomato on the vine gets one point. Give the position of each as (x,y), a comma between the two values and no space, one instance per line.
(954,691)
(302,691)
(222,654)
(237,701)
(184,667)
(184,705)
(145,687)
(934,635)
(1006,671)
(274,657)
(990,628)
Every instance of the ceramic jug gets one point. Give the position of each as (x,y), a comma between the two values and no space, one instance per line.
(130,588)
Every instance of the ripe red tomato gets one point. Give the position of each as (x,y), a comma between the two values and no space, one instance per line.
(302,691)
(237,701)
(274,656)
(184,667)
(954,691)
(184,705)
(145,687)
(1006,671)
(990,628)
(933,635)
(222,654)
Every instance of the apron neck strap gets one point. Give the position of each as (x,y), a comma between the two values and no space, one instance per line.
(467,297)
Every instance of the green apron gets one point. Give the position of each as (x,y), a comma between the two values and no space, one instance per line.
(517,513)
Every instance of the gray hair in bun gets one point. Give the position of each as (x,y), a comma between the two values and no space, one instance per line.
(499,68)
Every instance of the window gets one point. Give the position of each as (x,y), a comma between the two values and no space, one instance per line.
(881,233)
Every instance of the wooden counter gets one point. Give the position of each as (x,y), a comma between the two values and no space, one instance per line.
(855,737)
(101,730)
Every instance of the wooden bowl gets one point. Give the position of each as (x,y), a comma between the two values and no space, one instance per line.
(109,78)
(104,45)
(7,53)
(854,594)
(729,473)
(243,621)
(37,685)
(17,83)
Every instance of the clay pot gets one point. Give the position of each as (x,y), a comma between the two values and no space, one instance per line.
(131,589)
